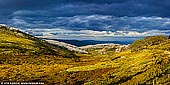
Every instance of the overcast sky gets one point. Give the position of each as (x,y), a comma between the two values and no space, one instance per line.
(75,17)
(87,7)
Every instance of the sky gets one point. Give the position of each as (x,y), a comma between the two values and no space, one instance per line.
(88,19)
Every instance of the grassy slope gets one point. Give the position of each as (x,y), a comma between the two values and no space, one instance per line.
(19,43)
(25,58)
(149,65)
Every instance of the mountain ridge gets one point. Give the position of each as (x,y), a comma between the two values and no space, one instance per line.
(13,35)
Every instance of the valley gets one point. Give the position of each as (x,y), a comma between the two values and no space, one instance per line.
(26,58)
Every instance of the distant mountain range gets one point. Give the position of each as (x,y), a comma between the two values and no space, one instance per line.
(80,43)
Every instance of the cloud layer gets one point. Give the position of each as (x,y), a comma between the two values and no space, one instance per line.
(92,26)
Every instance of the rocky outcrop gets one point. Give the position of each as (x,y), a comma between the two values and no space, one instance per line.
(99,45)
(104,47)
(121,48)
(3,25)
(68,46)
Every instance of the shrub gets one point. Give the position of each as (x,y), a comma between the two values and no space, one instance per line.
(147,41)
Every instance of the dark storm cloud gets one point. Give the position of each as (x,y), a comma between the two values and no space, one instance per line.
(7,7)
(88,7)
(16,4)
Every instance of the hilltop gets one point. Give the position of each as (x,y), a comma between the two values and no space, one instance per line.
(18,43)
(26,58)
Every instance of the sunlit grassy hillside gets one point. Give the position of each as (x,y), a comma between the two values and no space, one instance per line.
(147,61)
(16,43)
(26,58)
